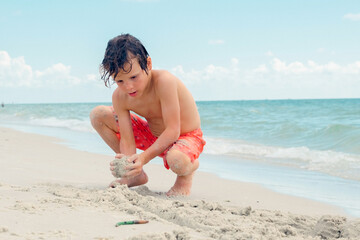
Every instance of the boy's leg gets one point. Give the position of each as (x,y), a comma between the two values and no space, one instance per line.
(184,168)
(104,122)
(182,159)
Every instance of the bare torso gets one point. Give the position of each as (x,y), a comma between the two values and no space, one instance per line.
(152,112)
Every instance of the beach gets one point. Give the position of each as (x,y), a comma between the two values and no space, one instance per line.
(50,191)
(278,95)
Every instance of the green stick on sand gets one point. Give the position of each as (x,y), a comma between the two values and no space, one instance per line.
(131,222)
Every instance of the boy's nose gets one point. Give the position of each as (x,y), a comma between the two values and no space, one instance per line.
(128,86)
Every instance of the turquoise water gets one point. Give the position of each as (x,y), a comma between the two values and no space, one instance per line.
(307,148)
(320,135)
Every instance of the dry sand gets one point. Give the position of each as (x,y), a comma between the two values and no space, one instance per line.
(48,191)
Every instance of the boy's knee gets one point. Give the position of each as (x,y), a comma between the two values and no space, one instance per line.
(180,163)
(98,115)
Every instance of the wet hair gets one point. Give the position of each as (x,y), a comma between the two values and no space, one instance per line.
(119,51)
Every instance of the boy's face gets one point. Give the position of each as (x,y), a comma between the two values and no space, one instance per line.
(133,83)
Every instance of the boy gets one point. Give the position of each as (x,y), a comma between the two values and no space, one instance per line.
(172,126)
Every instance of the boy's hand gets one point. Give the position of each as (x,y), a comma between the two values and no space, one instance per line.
(135,168)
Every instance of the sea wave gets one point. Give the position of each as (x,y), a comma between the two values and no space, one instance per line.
(82,125)
(339,164)
(72,124)
(335,137)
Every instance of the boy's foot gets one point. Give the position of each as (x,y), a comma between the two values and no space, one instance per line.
(140,179)
(182,186)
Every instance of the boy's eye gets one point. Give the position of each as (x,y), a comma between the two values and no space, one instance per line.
(133,77)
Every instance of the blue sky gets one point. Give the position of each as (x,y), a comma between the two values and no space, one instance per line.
(50,51)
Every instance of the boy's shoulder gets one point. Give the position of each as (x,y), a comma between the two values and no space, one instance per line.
(162,74)
(163,77)
(164,82)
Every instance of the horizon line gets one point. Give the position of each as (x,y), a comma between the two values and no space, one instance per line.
(218,100)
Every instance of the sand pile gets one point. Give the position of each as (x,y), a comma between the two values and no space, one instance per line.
(120,166)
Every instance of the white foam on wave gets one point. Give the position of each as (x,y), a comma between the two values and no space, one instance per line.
(334,163)
(72,124)
(82,125)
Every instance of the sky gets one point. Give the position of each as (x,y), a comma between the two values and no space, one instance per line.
(50,50)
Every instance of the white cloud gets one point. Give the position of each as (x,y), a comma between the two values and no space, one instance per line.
(274,80)
(353,17)
(14,72)
(209,73)
(91,77)
(294,68)
(261,69)
(269,54)
(312,67)
(216,42)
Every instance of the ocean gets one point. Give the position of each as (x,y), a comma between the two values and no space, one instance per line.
(305,148)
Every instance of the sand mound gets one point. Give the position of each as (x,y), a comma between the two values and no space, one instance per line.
(189,219)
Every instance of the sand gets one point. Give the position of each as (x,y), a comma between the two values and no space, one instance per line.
(120,166)
(49,191)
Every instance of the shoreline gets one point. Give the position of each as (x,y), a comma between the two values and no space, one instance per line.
(53,191)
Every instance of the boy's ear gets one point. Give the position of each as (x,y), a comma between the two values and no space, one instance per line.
(149,63)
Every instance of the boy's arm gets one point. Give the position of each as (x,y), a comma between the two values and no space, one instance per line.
(127,141)
(167,91)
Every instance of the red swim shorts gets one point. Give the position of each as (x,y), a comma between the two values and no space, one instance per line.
(191,143)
